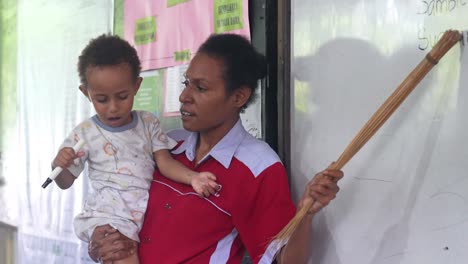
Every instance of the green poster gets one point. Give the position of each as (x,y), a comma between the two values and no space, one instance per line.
(183,55)
(149,96)
(171,3)
(227,15)
(145,30)
(119,18)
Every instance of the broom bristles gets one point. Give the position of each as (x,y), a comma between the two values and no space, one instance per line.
(292,225)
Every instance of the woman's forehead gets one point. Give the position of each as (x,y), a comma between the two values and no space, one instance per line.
(204,66)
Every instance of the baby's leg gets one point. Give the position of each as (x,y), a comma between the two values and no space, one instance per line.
(133,259)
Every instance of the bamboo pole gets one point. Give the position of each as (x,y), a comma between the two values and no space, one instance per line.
(448,40)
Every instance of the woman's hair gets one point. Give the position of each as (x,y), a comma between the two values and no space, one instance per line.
(108,50)
(243,65)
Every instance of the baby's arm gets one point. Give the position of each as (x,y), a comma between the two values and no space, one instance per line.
(204,183)
(64,159)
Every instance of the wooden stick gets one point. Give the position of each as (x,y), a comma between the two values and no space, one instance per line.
(448,40)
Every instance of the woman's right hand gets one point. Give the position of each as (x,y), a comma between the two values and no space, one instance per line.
(108,244)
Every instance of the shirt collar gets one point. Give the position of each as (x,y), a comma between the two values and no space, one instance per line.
(223,151)
(128,126)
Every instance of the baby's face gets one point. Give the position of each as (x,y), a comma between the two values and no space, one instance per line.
(112,89)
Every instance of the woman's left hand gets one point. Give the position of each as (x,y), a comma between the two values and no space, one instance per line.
(321,190)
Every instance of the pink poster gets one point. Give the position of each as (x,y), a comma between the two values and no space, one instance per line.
(168,32)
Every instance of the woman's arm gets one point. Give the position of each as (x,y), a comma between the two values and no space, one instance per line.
(322,188)
(296,250)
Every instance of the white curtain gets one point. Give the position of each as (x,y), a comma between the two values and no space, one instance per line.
(51,34)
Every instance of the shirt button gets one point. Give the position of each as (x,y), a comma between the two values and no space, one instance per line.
(146,239)
(167,206)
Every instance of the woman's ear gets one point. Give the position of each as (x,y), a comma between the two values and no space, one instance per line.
(84,90)
(241,96)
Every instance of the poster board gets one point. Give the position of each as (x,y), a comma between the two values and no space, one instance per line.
(168,32)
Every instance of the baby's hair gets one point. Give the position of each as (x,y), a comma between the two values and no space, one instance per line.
(108,50)
(243,64)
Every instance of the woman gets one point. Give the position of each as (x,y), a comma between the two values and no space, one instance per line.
(254,203)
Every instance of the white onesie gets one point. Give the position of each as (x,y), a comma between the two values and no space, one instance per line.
(121,165)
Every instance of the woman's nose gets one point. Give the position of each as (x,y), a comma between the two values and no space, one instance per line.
(184,96)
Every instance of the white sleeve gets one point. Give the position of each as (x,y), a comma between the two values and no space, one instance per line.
(159,139)
(77,167)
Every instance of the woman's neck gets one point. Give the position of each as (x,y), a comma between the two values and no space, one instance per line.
(208,139)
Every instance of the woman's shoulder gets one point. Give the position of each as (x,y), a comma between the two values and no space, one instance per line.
(256,154)
(258,146)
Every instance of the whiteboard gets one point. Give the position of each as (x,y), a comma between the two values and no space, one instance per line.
(404,198)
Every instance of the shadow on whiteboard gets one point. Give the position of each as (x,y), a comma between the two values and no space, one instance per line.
(390,198)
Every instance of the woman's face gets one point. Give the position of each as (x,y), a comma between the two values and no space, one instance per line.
(205,105)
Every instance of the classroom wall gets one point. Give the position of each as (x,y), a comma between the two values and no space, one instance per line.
(7,74)
(7,69)
(8,246)
(7,102)
(8,232)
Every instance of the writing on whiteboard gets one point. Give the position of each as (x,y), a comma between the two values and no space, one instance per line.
(428,39)
(436,7)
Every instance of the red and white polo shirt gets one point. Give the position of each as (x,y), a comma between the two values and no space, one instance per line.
(253,205)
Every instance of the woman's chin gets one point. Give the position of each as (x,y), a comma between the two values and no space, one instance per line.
(188,126)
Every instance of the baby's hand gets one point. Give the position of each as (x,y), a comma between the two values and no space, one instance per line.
(204,183)
(65,157)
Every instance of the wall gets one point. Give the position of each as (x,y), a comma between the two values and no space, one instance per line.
(7,102)
(8,250)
